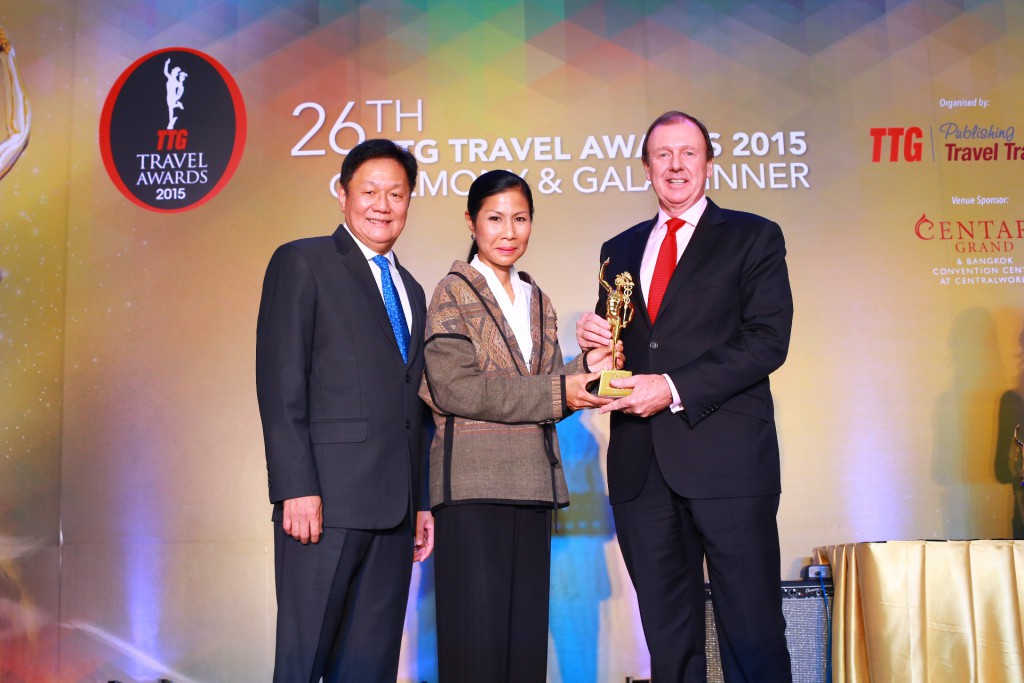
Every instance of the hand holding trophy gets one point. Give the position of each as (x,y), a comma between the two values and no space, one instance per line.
(619,313)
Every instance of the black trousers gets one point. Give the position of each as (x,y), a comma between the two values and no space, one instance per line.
(665,539)
(492,570)
(341,605)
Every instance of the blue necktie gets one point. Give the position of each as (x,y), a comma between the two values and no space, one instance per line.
(394,306)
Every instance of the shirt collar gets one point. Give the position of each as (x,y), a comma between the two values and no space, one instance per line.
(370,253)
(691,215)
(492,278)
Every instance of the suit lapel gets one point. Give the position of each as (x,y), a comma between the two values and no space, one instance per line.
(490,303)
(707,232)
(355,262)
(537,331)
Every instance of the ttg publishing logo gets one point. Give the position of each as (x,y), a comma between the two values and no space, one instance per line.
(898,142)
(172,130)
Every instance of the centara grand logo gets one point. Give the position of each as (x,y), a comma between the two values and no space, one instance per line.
(978,236)
(172,130)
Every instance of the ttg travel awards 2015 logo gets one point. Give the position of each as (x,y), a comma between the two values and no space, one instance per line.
(172,130)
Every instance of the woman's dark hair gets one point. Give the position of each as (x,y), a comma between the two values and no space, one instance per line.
(488,185)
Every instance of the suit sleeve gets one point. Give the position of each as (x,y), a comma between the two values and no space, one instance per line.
(573,367)
(427,432)
(455,385)
(284,338)
(761,342)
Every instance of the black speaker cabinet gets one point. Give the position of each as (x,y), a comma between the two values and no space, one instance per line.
(806,631)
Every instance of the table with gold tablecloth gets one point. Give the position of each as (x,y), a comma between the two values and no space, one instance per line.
(927,611)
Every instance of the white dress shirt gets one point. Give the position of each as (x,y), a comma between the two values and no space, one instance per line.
(657,236)
(516,312)
(396,277)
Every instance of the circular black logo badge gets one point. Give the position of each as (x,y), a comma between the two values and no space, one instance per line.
(172,130)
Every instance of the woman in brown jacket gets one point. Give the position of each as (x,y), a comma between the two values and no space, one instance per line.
(496,383)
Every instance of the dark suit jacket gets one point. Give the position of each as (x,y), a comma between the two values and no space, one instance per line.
(340,410)
(724,326)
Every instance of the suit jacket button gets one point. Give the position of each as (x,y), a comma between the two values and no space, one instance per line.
(408,425)
(408,379)
(654,345)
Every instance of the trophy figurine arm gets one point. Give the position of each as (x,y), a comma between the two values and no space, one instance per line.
(627,314)
(600,276)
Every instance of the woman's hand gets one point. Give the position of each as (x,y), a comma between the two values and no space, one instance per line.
(576,394)
(601,357)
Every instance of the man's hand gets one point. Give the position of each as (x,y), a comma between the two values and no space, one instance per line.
(424,542)
(303,518)
(651,394)
(576,395)
(593,331)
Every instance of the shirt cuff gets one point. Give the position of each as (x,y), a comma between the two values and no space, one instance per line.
(677,404)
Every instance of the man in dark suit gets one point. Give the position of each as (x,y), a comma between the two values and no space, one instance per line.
(339,359)
(693,460)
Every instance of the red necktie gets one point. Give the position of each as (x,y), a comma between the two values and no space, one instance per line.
(663,267)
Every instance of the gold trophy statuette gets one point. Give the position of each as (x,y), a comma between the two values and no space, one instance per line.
(618,313)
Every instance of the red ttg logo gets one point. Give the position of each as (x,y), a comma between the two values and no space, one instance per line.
(911,146)
(171,139)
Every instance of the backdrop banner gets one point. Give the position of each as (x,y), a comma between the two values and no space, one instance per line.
(153,155)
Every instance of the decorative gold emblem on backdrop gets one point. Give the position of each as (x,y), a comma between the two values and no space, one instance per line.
(14,109)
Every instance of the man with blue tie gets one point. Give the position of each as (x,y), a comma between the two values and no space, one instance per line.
(339,359)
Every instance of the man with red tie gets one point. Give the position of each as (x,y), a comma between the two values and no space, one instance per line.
(693,459)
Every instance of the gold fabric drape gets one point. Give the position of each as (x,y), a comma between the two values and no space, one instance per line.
(927,611)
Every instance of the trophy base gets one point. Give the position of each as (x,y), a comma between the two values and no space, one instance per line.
(603,386)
